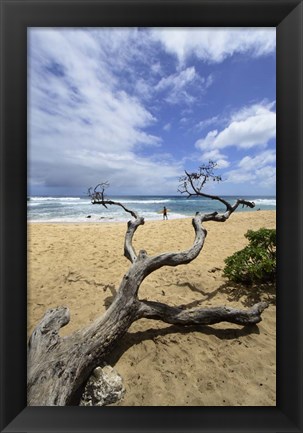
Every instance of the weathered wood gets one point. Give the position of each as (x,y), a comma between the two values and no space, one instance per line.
(58,366)
(201,316)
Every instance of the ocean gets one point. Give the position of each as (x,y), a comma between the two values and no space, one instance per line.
(80,209)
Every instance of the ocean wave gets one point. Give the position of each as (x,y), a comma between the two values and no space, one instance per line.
(76,209)
(265,201)
(30,203)
(151,201)
(105,217)
(79,200)
(55,199)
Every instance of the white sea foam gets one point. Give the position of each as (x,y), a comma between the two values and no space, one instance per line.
(105,218)
(30,203)
(265,201)
(144,201)
(76,209)
(55,198)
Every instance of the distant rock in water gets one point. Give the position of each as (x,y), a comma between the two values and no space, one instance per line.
(88,216)
(104,387)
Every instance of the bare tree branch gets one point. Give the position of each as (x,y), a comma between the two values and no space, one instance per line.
(192,183)
(215,216)
(98,197)
(201,316)
(129,251)
(57,366)
(183,257)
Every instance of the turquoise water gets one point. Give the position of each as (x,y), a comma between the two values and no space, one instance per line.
(77,209)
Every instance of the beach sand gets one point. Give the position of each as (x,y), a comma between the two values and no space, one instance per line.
(81,266)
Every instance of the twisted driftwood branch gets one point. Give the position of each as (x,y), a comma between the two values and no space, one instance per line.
(201,316)
(58,366)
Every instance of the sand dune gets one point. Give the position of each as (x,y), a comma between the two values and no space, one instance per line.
(81,266)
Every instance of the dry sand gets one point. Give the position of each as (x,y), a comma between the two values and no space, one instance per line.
(81,266)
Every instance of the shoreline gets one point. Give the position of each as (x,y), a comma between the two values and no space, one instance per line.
(81,265)
(104,220)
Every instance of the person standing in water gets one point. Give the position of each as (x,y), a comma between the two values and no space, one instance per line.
(165,213)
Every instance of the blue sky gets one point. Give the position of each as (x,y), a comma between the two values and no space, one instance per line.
(136,107)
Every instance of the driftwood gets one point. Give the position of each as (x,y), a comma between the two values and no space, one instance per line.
(57,366)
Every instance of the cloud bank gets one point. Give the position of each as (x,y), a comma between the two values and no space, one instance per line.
(105,104)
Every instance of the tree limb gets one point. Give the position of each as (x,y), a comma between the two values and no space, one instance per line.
(192,184)
(129,251)
(98,197)
(215,216)
(183,257)
(57,366)
(201,316)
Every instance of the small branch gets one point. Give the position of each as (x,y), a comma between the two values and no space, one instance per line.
(129,251)
(193,183)
(198,192)
(105,203)
(201,316)
(180,258)
(98,197)
(215,216)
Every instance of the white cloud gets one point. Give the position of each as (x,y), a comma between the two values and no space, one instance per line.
(181,87)
(251,126)
(262,159)
(222,163)
(177,86)
(177,81)
(156,68)
(215,155)
(126,170)
(94,103)
(259,169)
(215,44)
(77,114)
(205,123)
(253,110)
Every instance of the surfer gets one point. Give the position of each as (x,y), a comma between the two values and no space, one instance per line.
(165,213)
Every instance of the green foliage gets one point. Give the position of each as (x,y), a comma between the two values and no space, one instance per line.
(256,263)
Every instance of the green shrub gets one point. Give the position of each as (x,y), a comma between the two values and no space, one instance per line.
(256,263)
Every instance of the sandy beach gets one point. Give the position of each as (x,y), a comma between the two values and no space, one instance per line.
(81,266)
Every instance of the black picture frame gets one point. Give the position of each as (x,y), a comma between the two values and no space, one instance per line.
(16,17)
